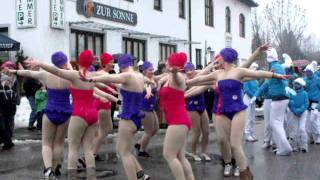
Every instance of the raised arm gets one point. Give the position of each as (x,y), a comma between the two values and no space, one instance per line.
(255,55)
(203,78)
(65,74)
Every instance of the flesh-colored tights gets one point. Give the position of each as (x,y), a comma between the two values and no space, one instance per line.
(151,126)
(200,126)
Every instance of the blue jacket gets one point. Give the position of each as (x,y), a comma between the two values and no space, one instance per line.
(277,87)
(263,90)
(299,103)
(250,87)
(313,88)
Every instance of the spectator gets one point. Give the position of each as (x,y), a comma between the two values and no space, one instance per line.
(30,87)
(41,98)
(9,99)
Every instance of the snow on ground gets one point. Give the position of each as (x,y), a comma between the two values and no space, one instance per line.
(23,113)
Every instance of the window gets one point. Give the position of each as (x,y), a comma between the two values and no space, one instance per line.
(242,26)
(198,57)
(182,9)
(157,5)
(228,20)
(130,0)
(81,40)
(4,55)
(166,50)
(209,12)
(134,47)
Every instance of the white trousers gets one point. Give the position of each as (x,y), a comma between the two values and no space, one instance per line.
(277,115)
(298,130)
(250,116)
(267,123)
(313,124)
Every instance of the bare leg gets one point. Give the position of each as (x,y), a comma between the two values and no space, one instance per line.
(223,127)
(76,130)
(237,128)
(87,145)
(196,128)
(173,143)
(58,145)
(126,132)
(185,163)
(105,127)
(205,131)
(151,126)
(48,135)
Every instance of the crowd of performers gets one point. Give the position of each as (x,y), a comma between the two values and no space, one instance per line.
(290,104)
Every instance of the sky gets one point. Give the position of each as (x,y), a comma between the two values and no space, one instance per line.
(312,13)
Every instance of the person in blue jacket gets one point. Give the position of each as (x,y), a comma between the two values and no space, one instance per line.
(249,90)
(278,91)
(297,116)
(313,90)
(263,91)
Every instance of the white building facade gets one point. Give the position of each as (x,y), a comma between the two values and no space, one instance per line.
(147,29)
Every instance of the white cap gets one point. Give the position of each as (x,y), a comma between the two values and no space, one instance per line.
(287,61)
(254,66)
(140,63)
(300,81)
(272,55)
(313,66)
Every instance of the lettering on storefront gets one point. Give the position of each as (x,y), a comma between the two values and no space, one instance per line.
(94,9)
(26,13)
(57,14)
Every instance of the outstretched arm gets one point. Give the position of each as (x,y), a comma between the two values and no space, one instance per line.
(195,91)
(111,78)
(65,74)
(39,75)
(107,96)
(203,78)
(261,74)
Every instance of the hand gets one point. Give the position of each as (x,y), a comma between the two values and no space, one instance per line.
(279,76)
(31,63)
(290,91)
(264,47)
(253,100)
(8,71)
(20,67)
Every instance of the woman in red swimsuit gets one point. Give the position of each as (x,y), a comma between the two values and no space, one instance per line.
(83,122)
(173,105)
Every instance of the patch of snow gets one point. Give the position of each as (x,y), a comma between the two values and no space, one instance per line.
(28,141)
(22,114)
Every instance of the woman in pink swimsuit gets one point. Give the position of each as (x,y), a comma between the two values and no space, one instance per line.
(173,105)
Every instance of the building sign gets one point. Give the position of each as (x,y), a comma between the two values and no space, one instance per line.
(26,13)
(57,14)
(94,9)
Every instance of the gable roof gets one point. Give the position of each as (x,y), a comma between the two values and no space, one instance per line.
(250,3)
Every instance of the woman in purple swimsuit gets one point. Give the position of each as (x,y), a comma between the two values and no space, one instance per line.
(57,113)
(229,107)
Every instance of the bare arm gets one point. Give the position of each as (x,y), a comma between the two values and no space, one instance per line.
(206,70)
(39,75)
(158,77)
(195,91)
(203,78)
(207,83)
(255,56)
(112,78)
(261,74)
(98,92)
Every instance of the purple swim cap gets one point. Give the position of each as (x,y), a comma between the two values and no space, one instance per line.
(59,59)
(229,55)
(91,69)
(189,67)
(125,61)
(146,65)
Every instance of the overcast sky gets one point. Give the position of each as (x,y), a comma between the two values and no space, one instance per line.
(312,12)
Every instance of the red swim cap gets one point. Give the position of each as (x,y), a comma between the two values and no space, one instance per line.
(86,59)
(105,58)
(177,59)
(8,64)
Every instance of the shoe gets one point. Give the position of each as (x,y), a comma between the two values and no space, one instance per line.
(137,146)
(251,139)
(81,164)
(7,146)
(57,171)
(304,150)
(266,145)
(275,150)
(246,175)
(144,177)
(48,174)
(236,171)
(227,170)
(196,157)
(98,157)
(144,154)
(205,157)
(31,128)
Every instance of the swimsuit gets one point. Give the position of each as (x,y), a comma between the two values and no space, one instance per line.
(103,105)
(196,103)
(58,108)
(83,105)
(172,104)
(228,99)
(131,102)
(149,104)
